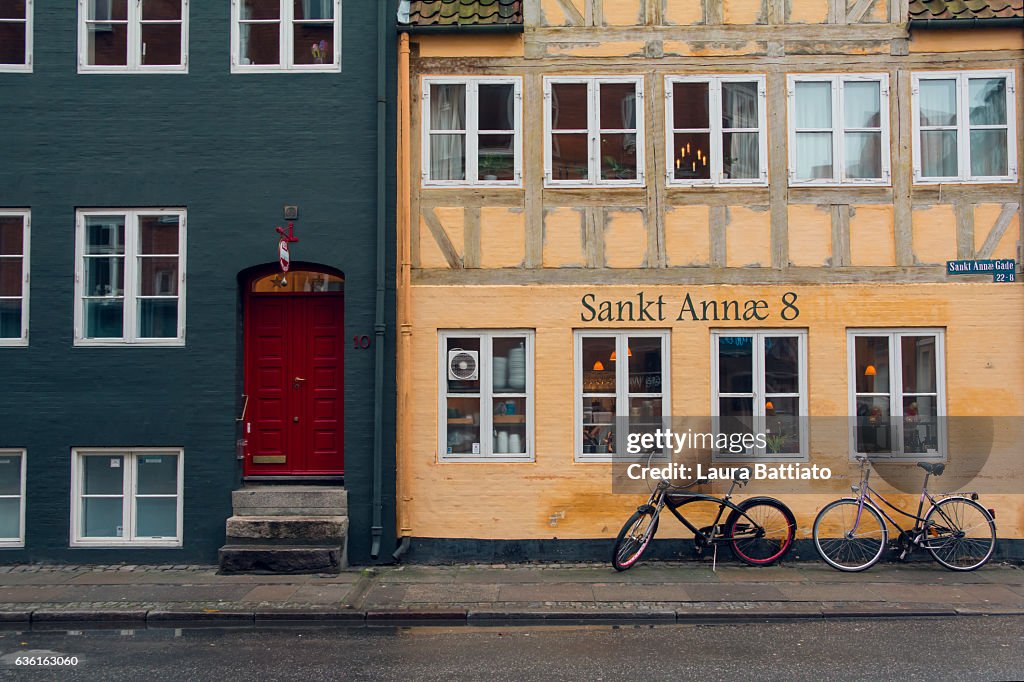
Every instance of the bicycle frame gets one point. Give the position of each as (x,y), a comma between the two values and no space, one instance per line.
(868,495)
(661,498)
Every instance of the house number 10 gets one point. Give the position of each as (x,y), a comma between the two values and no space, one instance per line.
(361,342)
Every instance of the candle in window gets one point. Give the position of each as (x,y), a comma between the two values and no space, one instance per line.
(677,164)
(694,164)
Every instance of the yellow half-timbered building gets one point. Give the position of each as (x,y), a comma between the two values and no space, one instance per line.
(732,209)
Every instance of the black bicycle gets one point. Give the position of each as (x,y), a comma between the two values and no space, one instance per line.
(759,530)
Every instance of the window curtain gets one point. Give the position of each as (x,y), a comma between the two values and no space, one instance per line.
(448,151)
(739,110)
(937,105)
(814,149)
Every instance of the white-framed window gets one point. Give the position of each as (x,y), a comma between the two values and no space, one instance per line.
(485,406)
(14,276)
(622,379)
(472,131)
(285,35)
(716,130)
(126,497)
(12,498)
(897,392)
(130,277)
(16,35)
(594,130)
(965,126)
(148,36)
(759,386)
(839,129)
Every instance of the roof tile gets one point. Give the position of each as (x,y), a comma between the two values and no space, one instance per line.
(966,9)
(465,12)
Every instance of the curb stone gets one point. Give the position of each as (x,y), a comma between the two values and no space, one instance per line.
(201,616)
(573,616)
(392,615)
(280,615)
(86,616)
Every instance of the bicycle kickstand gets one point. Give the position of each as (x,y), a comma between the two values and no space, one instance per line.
(714,559)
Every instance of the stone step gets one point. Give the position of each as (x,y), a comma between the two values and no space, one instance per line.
(282,558)
(290,500)
(305,529)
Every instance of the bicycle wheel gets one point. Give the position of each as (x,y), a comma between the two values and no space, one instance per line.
(960,534)
(847,540)
(764,535)
(633,539)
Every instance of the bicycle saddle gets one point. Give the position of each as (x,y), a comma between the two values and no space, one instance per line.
(933,469)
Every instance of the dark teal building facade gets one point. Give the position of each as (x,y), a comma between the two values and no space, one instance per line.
(229,150)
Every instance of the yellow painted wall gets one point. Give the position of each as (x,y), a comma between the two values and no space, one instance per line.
(687,240)
(470,45)
(683,12)
(502,237)
(872,239)
(985,217)
(810,235)
(741,11)
(934,231)
(625,239)
(622,12)
(748,237)
(922,40)
(808,12)
(984,373)
(563,238)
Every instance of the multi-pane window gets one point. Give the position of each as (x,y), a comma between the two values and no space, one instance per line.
(133,35)
(622,383)
(486,395)
(839,129)
(759,384)
(897,392)
(130,497)
(284,35)
(594,130)
(12,498)
(130,279)
(964,127)
(471,131)
(14,260)
(15,35)
(716,130)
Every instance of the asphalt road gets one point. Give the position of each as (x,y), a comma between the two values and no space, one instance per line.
(963,648)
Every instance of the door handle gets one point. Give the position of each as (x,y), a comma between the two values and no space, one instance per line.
(298,379)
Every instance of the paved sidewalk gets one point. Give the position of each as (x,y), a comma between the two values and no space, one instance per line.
(655,591)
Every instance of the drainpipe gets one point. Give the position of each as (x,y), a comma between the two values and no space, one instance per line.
(379,326)
(403,184)
(991,22)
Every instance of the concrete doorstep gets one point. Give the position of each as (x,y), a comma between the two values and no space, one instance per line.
(47,597)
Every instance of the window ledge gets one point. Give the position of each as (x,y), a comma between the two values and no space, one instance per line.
(99,544)
(15,68)
(528,459)
(132,69)
(93,343)
(270,68)
(12,544)
(961,181)
(14,343)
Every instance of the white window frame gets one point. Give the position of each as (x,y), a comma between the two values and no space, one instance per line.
(472,132)
(594,131)
(26,66)
(716,130)
(22,455)
(130,335)
(839,129)
(286,42)
(622,392)
(135,47)
(896,392)
(963,127)
(26,216)
(486,396)
(760,394)
(128,497)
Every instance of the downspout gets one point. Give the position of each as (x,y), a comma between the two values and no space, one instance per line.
(379,325)
(403,184)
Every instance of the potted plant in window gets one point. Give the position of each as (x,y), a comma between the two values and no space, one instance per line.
(493,164)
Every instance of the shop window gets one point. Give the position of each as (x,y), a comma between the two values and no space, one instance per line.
(12,498)
(716,130)
(285,35)
(14,277)
(964,127)
(594,131)
(897,393)
(130,279)
(126,497)
(759,382)
(16,35)
(839,129)
(472,131)
(622,378)
(486,396)
(133,35)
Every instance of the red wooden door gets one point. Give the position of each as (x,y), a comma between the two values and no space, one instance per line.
(294,377)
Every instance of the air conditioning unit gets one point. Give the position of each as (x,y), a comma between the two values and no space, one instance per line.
(463,365)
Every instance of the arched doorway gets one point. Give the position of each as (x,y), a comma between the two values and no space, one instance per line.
(294,372)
